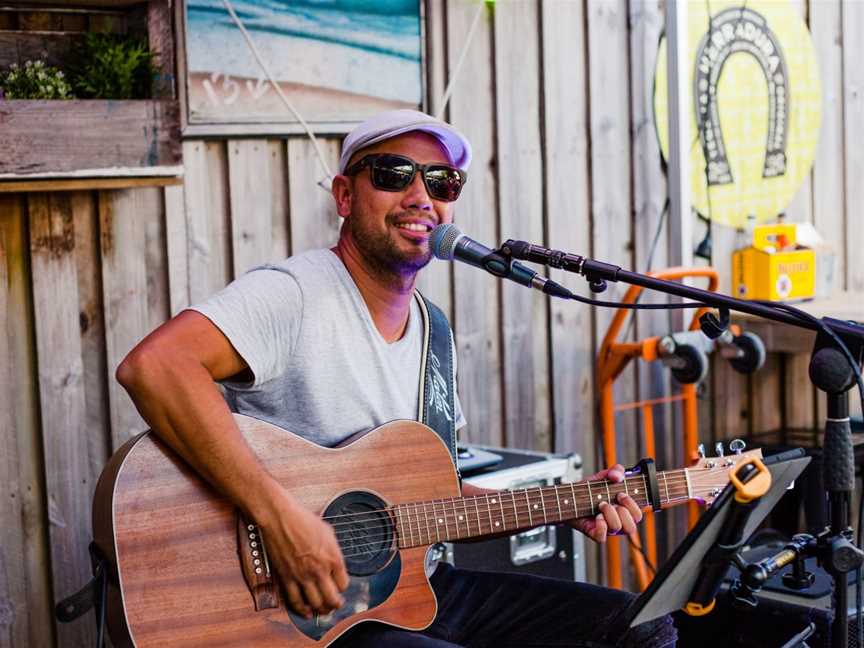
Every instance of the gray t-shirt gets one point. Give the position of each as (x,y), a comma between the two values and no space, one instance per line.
(321,369)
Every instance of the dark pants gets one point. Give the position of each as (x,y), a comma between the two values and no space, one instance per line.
(477,609)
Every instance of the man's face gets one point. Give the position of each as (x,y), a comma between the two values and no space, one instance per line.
(391,228)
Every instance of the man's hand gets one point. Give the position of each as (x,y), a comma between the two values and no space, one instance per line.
(304,551)
(613,519)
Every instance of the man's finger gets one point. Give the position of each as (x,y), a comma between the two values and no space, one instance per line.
(631,505)
(295,598)
(628,526)
(340,576)
(598,533)
(610,513)
(332,598)
(313,596)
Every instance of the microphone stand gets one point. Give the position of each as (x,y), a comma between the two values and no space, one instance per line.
(829,371)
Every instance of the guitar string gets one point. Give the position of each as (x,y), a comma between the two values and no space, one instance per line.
(422,518)
(429,529)
(424,542)
(549,492)
(680,480)
(677,480)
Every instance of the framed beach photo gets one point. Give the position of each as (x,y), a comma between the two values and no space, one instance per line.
(337,61)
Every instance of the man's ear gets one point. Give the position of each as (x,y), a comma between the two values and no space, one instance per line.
(343,193)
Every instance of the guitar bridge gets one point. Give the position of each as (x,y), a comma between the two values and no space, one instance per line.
(255,565)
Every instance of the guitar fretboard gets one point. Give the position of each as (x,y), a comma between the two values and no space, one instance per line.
(425,523)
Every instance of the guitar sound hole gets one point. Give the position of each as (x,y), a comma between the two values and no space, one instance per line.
(364,530)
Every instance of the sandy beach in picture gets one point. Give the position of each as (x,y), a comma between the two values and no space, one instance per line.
(220,99)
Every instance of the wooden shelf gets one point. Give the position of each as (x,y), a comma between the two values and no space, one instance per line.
(78,184)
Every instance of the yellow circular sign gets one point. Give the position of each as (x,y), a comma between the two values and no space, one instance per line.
(756,107)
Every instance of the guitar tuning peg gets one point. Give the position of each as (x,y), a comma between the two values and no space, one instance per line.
(701,450)
(737,446)
(718,449)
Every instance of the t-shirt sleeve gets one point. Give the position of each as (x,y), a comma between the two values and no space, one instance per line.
(260,313)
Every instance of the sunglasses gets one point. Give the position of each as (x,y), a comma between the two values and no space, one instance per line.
(390,172)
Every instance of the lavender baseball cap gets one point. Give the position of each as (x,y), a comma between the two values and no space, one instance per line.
(389,124)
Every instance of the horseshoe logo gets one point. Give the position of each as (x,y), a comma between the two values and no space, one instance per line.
(740,30)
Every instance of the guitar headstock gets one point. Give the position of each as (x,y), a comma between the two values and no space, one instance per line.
(709,475)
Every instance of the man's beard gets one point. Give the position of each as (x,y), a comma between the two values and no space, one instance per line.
(382,252)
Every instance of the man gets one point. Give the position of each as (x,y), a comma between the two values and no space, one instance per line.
(327,344)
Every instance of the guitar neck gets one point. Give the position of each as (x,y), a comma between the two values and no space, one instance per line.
(458,518)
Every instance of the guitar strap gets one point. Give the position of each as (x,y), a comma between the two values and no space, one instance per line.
(438,375)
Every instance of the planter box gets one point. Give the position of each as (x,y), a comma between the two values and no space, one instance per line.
(89,138)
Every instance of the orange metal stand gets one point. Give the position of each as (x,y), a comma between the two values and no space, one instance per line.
(611,361)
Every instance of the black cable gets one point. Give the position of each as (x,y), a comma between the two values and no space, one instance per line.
(596,302)
(644,555)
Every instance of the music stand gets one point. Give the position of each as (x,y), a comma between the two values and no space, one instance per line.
(671,588)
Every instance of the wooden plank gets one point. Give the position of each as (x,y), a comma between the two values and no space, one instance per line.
(729,403)
(314,222)
(251,203)
(800,209)
(766,413)
(176,249)
(19,47)
(853,115)
(568,221)
(650,250)
(610,175)
(435,282)
(123,218)
(280,222)
(69,474)
(78,184)
(25,568)
(476,296)
(161,41)
(87,262)
(108,133)
(828,177)
(15,627)
(524,315)
(208,225)
(799,399)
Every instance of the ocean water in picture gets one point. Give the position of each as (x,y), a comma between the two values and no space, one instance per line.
(366,48)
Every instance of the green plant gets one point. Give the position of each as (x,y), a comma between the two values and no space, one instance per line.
(113,68)
(34,80)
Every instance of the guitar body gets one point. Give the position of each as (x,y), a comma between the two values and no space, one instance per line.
(172,542)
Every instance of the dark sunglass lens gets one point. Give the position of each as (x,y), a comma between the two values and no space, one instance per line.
(443,183)
(392,173)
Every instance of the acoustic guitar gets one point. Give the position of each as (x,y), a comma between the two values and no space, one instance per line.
(186,569)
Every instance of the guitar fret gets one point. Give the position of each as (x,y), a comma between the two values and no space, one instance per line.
(590,497)
(608,494)
(558,499)
(456,517)
(573,495)
(516,523)
(437,523)
(501,506)
(467,517)
(400,529)
(543,504)
(479,524)
(489,510)
(530,519)
(426,518)
(666,484)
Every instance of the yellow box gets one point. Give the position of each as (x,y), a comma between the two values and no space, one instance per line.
(763,272)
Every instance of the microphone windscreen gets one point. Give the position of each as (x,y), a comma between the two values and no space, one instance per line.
(443,241)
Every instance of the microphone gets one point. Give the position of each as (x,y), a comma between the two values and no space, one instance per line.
(448,243)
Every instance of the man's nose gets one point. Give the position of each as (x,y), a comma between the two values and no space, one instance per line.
(416,195)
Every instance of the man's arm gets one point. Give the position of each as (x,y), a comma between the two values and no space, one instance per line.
(170,377)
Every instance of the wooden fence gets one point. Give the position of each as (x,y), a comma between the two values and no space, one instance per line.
(556,98)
